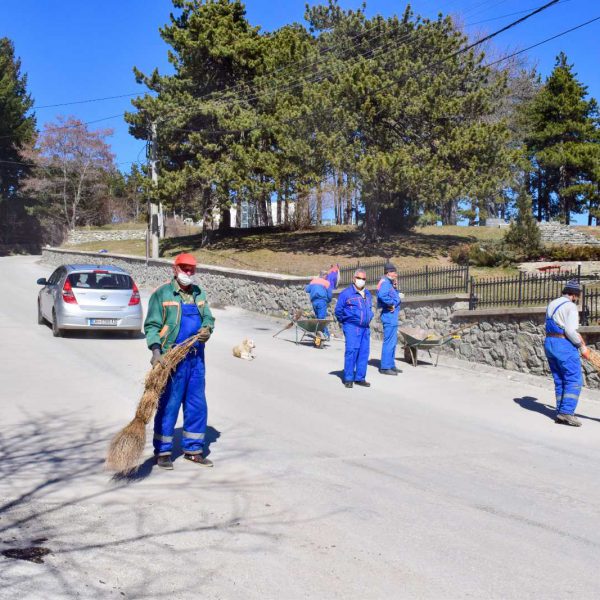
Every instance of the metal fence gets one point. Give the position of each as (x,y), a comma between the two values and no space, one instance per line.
(426,281)
(590,305)
(373,269)
(434,280)
(520,290)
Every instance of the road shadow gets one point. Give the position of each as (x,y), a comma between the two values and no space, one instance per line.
(375,362)
(534,405)
(338,374)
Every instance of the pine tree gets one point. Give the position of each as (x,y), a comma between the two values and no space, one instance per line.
(563,144)
(524,234)
(17,131)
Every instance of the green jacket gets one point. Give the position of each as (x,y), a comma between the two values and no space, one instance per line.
(164,314)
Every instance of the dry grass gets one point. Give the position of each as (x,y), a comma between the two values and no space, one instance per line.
(595,359)
(306,252)
(127,446)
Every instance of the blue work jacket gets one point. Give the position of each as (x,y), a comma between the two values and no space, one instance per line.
(353,309)
(319,290)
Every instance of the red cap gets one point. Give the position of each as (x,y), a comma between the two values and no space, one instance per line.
(185,259)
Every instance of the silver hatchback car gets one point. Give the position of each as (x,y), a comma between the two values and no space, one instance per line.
(90,297)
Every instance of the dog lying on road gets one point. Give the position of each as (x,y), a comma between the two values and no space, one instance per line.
(245,350)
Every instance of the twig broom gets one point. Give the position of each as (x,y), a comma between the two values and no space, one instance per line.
(127,446)
(594,359)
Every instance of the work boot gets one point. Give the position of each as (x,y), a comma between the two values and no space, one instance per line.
(388,371)
(363,383)
(199,459)
(349,384)
(571,420)
(164,462)
(397,370)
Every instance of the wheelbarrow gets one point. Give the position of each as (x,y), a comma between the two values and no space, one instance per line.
(307,327)
(415,339)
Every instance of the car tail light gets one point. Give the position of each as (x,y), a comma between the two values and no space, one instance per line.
(67,293)
(135,296)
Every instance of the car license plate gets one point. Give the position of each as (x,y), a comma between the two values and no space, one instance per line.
(103,321)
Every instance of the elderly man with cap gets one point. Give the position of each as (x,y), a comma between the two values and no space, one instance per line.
(563,346)
(354,312)
(178,310)
(320,293)
(388,302)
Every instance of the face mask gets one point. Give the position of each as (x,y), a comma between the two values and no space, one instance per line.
(184,279)
(360,283)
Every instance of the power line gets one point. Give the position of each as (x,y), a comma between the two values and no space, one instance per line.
(87,101)
(565,32)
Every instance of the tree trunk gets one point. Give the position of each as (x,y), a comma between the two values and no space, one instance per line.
(319,194)
(279,206)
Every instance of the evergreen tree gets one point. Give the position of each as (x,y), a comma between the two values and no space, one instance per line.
(563,144)
(17,131)
(524,234)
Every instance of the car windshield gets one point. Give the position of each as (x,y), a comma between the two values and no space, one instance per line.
(101,280)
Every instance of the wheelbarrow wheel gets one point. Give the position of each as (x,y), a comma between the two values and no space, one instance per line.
(410,355)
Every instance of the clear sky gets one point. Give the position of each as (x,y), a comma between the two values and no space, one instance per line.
(76,50)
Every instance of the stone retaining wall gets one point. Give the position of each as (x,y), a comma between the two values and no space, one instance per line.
(82,236)
(266,293)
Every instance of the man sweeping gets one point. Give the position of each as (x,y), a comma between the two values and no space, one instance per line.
(176,311)
(563,347)
(320,292)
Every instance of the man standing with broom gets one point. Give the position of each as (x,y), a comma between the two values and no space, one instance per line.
(563,346)
(177,311)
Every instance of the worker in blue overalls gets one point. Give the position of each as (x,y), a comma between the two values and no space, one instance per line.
(354,312)
(333,276)
(388,302)
(177,311)
(320,293)
(563,345)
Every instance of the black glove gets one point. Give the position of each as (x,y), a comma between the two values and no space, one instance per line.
(204,334)
(157,357)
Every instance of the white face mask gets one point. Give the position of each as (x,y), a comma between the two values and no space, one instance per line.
(359,283)
(184,279)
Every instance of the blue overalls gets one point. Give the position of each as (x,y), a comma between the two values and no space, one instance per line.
(388,301)
(320,293)
(355,313)
(185,386)
(565,365)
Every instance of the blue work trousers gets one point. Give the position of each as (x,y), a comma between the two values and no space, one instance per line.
(389,321)
(565,365)
(186,386)
(320,308)
(356,356)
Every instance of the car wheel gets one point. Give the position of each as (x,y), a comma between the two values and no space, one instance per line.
(56,331)
(41,320)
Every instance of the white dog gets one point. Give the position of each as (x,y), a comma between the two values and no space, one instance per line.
(245,350)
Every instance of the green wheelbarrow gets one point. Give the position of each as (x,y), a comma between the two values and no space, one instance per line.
(311,328)
(415,339)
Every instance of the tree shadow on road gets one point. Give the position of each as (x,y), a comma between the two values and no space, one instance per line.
(534,405)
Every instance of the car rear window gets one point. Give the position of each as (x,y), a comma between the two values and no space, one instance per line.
(101,281)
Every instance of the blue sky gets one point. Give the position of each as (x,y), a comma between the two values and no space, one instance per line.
(77,50)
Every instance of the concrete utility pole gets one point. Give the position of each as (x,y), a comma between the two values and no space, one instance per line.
(154,208)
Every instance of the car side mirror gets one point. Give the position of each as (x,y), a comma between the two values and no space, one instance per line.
(42,281)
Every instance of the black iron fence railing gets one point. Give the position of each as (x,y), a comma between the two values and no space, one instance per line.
(426,281)
(434,280)
(523,289)
(373,269)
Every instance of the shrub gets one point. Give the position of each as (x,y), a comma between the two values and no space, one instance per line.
(523,235)
(427,218)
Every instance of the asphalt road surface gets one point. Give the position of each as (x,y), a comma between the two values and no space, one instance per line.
(448,482)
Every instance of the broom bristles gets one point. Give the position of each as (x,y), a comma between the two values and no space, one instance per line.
(595,359)
(127,446)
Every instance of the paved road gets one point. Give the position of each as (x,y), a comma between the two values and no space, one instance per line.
(441,483)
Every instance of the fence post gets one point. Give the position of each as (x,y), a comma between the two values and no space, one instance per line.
(584,308)
(426,280)
(578,272)
(520,296)
(472,296)
(467,279)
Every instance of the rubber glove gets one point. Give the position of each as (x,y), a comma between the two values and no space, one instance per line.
(204,334)
(157,357)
